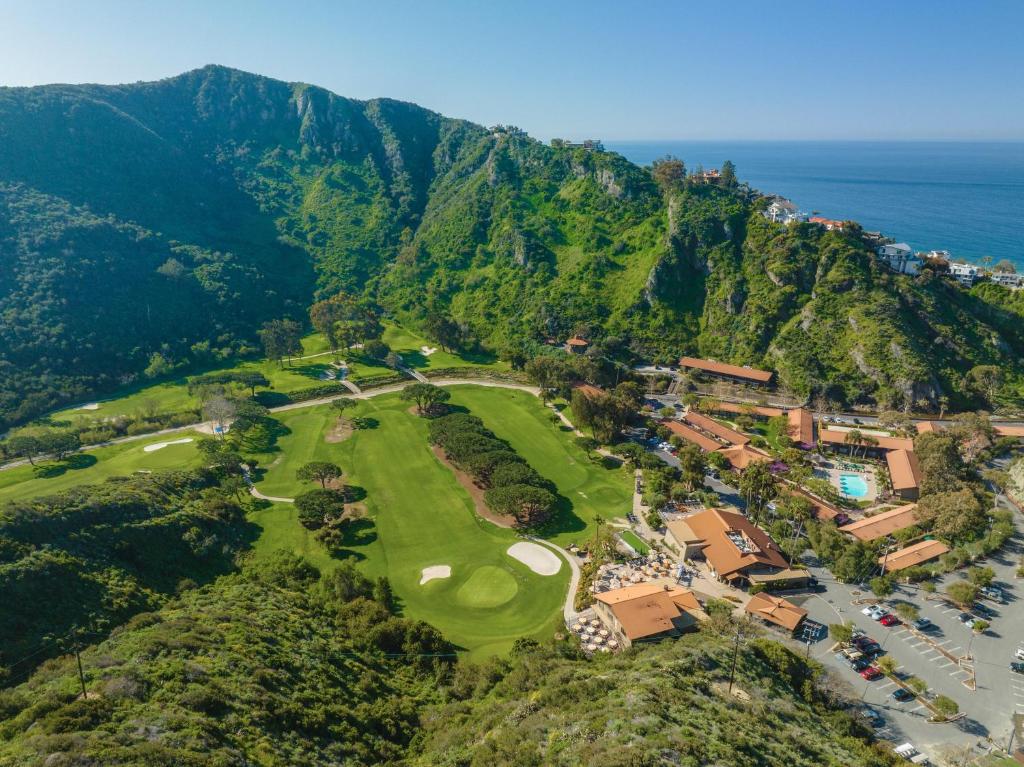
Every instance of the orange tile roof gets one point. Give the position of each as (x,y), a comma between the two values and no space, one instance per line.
(923,426)
(823,510)
(714,527)
(923,551)
(735,407)
(588,390)
(722,368)
(741,456)
(714,427)
(577,341)
(776,610)
(904,469)
(881,525)
(801,425)
(647,609)
(836,437)
(1009,431)
(692,435)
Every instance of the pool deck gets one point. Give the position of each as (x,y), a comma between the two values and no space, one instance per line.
(832,472)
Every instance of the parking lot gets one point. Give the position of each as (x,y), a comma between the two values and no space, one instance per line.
(938,656)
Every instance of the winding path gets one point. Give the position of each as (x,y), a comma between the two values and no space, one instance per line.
(569,609)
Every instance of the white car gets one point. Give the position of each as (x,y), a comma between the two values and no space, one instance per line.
(1019,655)
(874,612)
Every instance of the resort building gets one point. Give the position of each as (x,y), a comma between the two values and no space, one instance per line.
(757,412)
(742,456)
(911,556)
(926,426)
(964,273)
(880,525)
(828,223)
(823,510)
(736,550)
(726,372)
(693,436)
(900,257)
(871,444)
(782,211)
(801,427)
(905,473)
(772,609)
(648,611)
(715,429)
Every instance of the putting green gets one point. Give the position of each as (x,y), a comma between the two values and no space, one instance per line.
(488,586)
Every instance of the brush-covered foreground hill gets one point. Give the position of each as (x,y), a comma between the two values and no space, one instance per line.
(176,216)
(275,666)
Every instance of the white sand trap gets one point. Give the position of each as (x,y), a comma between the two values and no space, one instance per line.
(541,560)
(435,571)
(428,350)
(90,406)
(162,445)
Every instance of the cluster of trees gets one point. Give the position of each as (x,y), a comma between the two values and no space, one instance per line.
(513,488)
(669,173)
(346,319)
(429,399)
(607,413)
(31,444)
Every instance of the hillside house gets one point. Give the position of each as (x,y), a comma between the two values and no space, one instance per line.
(900,257)
(782,211)
(577,345)
(710,176)
(1008,280)
(829,223)
(964,273)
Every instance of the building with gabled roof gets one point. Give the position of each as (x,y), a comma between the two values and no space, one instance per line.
(801,427)
(742,456)
(773,609)
(648,611)
(905,473)
(911,556)
(736,373)
(715,429)
(692,436)
(880,525)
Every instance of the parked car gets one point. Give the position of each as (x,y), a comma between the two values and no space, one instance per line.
(1019,655)
(873,611)
(968,620)
(994,593)
(902,696)
(873,717)
(860,664)
(889,620)
(923,624)
(1017,666)
(871,673)
(985,612)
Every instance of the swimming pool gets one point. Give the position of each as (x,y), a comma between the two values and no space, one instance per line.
(853,485)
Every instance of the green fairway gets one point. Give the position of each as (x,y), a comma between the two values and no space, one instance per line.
(97,465)
(592,489)
(409,345)
(419,516)
(634,540)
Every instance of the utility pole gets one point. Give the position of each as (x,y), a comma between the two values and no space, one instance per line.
(81,675)
(735,658)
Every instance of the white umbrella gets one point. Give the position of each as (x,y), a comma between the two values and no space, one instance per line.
(591,647)
(605,649)
(603,632)
(599,639)
(613,643)
(595,622)
(591,630)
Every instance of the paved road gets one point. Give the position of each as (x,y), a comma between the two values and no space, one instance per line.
(569,608)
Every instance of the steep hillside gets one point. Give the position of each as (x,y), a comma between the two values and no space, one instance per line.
(175,217)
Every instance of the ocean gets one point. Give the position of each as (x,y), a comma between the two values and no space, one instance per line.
(964,197)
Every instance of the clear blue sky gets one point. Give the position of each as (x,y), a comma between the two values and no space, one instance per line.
(825,69)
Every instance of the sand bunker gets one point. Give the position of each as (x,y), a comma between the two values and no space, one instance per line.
(435,571)
(428,350)
(541,560)
(90,406)
(162,445)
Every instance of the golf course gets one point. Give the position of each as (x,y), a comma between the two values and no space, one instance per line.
(418,527)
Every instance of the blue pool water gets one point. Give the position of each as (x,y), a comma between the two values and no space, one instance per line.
(853,485)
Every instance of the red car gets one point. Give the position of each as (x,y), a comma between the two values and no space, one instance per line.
(871,673)
(889,620)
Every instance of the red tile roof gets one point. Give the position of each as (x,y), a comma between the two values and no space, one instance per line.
(722,368)
(836,437)
(881,525)
(904,469)
(714,427)
(717,527)
(922,551)
(801,425)
(692,435)
(776,610)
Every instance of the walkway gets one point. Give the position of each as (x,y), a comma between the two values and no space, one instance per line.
(256,493)
(569,609)
(415,374)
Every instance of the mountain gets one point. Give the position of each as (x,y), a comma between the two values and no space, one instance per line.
(175,217)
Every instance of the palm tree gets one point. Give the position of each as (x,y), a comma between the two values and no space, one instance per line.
(853,438)
(868,441)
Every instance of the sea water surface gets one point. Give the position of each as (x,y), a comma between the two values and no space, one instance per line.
(964,197)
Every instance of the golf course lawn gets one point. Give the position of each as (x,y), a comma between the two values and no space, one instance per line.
(97,465)
(592,489)
(419,516)
(408,344)
(634,540)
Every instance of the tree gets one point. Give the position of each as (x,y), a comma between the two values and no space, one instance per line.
(986,380)
(853,438)
(963,593)
(669,173)
(728,175)
(343,404)
(881,586)
(444,330)
(1005,266)
(426,396)
(159,365)
(220,410)
(281,339)
(981,576)
(956,516)
(319,507)
(252,379)
(343,320)
(530,506)
(587,444)
(220,455)
(841,632)
(549,373)
(24,446)
(692,464)
(886,664)
(945,706)
(758,486)
(59,443)
(907,612)
(318,471)
(376,349)
(717,460)
(393,360)
(917,684)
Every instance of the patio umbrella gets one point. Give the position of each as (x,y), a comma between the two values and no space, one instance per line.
(603,632)
(591,647)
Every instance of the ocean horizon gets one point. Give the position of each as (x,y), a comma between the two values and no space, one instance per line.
(966,197)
